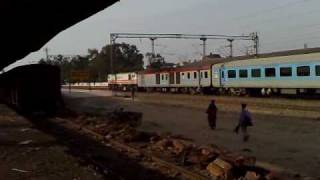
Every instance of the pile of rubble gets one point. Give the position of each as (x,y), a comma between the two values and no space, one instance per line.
(209,160)
(120,125)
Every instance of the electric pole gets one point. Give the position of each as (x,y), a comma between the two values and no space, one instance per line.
(111,55)
(112,42)
(46,50)
(231,46)
(204,40)
(152,47)
(256,43)
(251,37)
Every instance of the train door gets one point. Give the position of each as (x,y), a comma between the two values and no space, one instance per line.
(222,76)
(177,77)
(171,78)
(157,78)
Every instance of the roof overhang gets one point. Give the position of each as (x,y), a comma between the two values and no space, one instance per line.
(29,24)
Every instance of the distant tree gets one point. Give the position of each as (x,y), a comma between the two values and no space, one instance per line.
(80,63)
(92,53)
(100,64)
(126,58)
(42,61)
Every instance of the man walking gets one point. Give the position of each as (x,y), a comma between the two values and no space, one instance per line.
(245,120)
(212,114)
(132,93)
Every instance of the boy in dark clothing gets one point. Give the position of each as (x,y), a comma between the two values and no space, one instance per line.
(212,114)
(132,93)
(245,120)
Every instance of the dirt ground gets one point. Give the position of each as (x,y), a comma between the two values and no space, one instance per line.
(47,149)
(28,153)
(285,135)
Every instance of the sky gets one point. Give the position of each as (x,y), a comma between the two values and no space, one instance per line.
(281,25)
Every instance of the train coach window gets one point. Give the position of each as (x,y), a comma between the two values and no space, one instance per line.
(195,75)
(285,71)
(317,70)
(201,75)
(188,75)
(206,74)
(162,77)
(231,73)
(256,73)
(270,72)
(303,71)
(243,73)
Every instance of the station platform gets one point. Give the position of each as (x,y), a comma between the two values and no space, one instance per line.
(29,153)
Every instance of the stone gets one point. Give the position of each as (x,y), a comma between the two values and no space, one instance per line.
(206,151)
(178,147)
(163,144)
(154,139)
(220,169)
(248,161)
(192,158)
(251,176)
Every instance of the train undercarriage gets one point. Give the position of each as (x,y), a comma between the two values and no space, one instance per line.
(122,87)
(255,92)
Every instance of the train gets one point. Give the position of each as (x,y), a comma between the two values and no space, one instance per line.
(123,81)
(288,72)
(32,89)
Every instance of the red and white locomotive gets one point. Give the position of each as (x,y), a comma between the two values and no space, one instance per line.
(122,81)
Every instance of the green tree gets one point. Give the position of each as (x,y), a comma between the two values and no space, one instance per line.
(126,58)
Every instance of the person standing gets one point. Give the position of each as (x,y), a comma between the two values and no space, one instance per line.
(245,121)
(132,93)
(212,114)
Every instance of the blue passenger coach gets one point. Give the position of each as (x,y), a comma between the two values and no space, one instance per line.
(287,75)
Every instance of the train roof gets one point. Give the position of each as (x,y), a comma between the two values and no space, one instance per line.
(207,61)
(28,17)
(311,54)
(265,55)
(290,59)
(151,71)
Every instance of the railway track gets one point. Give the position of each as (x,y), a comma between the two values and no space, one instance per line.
(300,104)
(187,174)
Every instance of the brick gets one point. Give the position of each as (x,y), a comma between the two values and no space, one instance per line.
(220,169)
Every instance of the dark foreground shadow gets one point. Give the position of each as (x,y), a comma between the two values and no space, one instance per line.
(107,161)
